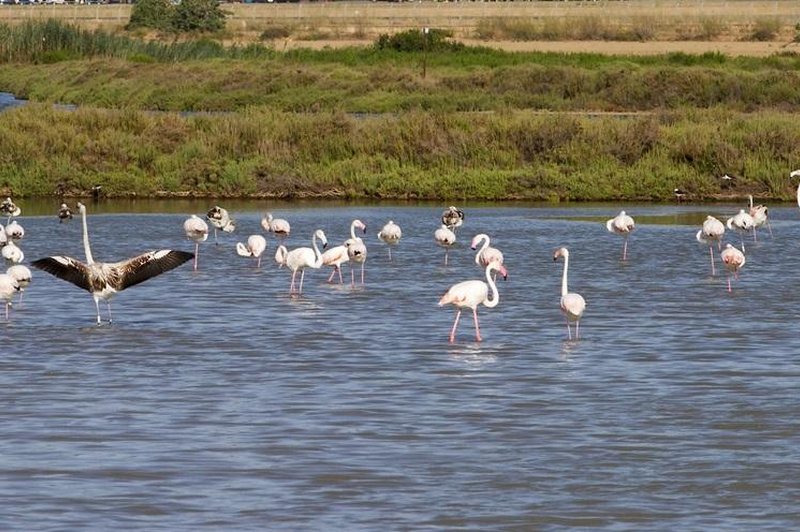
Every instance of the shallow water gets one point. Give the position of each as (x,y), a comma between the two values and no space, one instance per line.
(217,401)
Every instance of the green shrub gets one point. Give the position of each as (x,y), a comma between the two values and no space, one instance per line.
(198,15)
(274,32)
(435,40)
(765,29)
(155,14)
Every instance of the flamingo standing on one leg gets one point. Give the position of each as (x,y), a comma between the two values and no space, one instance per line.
(15,231)
(10,209)
(196,230)
(220,219)
(453,218)
(22,275)
(741,223)
(711,232)
(256,244)
(572,304)
(12,253)
(337,255)
(621,224)
(470,294)
(445,238)
(733,260)
(391,234)
(760,214)
(8,287)
(279,226)
(302,258)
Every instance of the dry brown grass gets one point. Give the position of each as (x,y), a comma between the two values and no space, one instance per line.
(665,25)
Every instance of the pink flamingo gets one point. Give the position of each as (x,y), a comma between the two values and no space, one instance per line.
(391,234)
(256,245)
(279,226)
(470,294)
(280,256)
(733,260)
(741,223)
(711,232)
(445,238)
(621,224)
(196,229)
(8,287)
(357,253)
(22,275)
(760,214)
(337,255)
(302,258)
(572,304)
(486,254)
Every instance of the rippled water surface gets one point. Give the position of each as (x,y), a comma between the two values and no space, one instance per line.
(216,401)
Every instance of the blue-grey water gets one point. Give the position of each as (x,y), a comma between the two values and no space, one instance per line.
(215,401)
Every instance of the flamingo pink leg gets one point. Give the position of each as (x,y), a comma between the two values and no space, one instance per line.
(258,264)
(291,287)
(446,250)
(390,252)
(452,331)
(625,249)
(569,331)
(362,273)
(196,254)
(711,251)
(341,281)
(108,307)
(770,228)
(729,283)
(302,276)
(477,327)
(577,329)
(21,294)
(332,273)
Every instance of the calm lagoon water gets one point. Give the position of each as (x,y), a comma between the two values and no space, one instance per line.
(215,401)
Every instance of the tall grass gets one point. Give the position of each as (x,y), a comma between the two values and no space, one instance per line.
(412,155)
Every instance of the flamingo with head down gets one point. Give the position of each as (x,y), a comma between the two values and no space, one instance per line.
(733,260)
(711,232)
(621,224)
(445,238)
(256,245)
(391,234)
(197,231)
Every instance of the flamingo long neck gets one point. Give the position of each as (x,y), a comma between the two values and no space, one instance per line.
(564,276)
(317,254)
(495,295)
(86,248)
(485,245)
(353,230)
(751,201)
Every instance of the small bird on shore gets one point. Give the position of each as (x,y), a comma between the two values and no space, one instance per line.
(64,214)
(679,194)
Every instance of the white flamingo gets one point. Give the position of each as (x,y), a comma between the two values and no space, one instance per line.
(220,219)
(445,238)
(572,304)
(470,294)
(12,253)
(279,226)
(302,258)
(733,260)
(22,275)
(15,231)
(621,224)
(390,234)
(741,223)
(760,214)
(64,214)
(10,209)
(280,255)
(196,230)
(486,254)
(453,218)
(8,287)
(796,173)
(337,255)
(256,245)
(357,253)
(104,279)
(711,232)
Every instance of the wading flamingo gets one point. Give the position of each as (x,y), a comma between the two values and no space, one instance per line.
(445,238)
(10,209)
(64,214)
(104,279)
(337,255)
(733,260)
(22,275)
(572,304)
(357,253)
(760,214)
(12,253)
(8,287)
(391,234)
(302,258)
(220,219)
(470,294)
(621,224)
(15,231)
(796,173)
(741,222)
(452,218)
(279,226)
(711,232)
(196,230)
(280,256)
(486,254)
(256,245)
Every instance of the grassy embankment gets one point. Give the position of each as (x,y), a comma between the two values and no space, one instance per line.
(289,131)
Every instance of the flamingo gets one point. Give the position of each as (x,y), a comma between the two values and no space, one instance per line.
(220,219)
(337,255)
(711,232)
(15,231)
(256,244)
(302,258)
(453,218)
(64,214)
(279,226)
(196,229)
(22,275)
(741,223)
(12,253)
(572,304)
(8,287)
(470,294)
(486,254)
(280,255)
(391,234)
(445,238)
(357,253)
(621,224)
(104,279)
(733,260)
(760,214)
(10,209)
